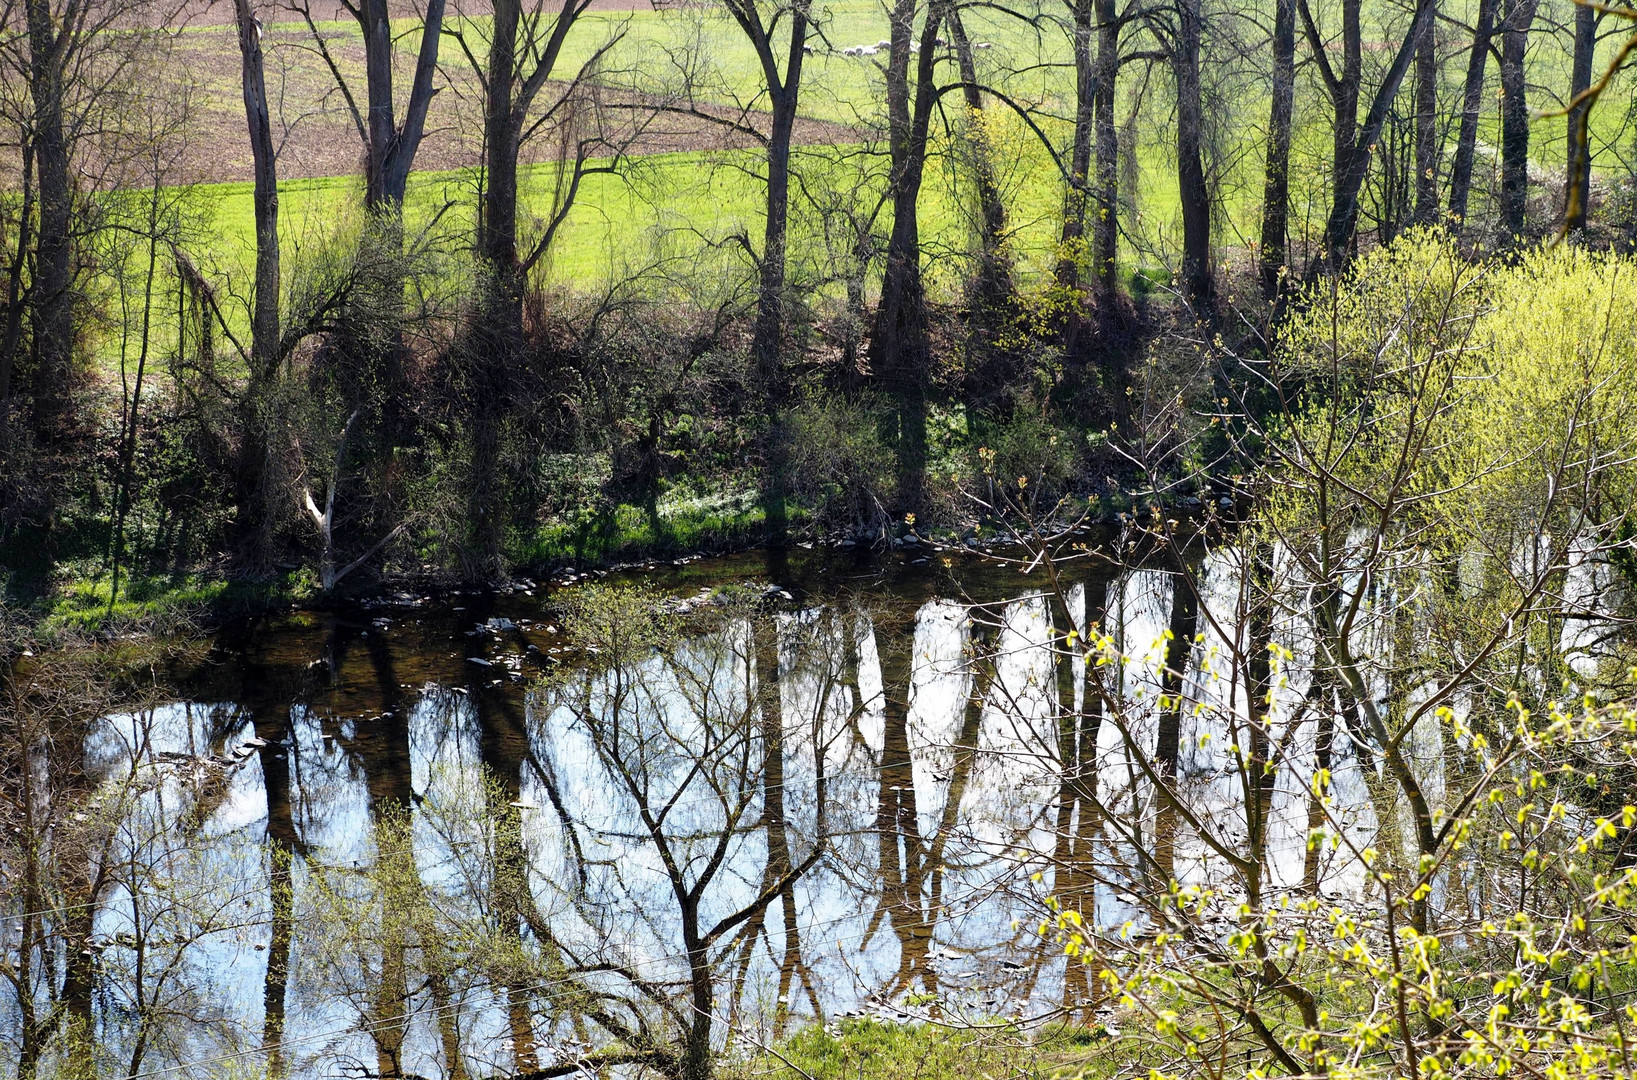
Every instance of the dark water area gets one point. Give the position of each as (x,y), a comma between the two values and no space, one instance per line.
(435,836)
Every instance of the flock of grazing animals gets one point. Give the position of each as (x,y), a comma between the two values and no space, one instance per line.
(882,46)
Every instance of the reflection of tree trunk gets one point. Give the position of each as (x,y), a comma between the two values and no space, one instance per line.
(897,823)
(80,891)
(773,814)
(982,666)
(503,747)
(1258,708)
(1167,747)
(282,845)
(390,806)
(1077,815)
(1324,740)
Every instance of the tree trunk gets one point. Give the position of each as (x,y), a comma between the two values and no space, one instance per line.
(1276,185)
(994,282)
(391,150)
(282,846)
(767,342)
(1085,118)
(1577,179)
(11,336)
(1472,97)
(1428,151)
(1520,17)
(1106,235)
(497,229)
(53,308)
(1341,228)
(255,495)
(899,349)
(1344,131)
(1197,276)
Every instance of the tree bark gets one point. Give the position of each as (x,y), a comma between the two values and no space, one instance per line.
(767,339)
(1428,151)
(53,310)
(1168,739)
(994,280)
(1276,183)
(1075,200)
(391,148)
(1105,243)
(1578,173)
(1342,225)
(899,349)
(1466,143)
(1520,17)
(255,497)
(1197,276)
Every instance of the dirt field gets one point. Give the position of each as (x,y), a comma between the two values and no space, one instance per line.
(198,13)
(320,137)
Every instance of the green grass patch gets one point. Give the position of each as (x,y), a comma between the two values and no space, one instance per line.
(160,604)
(613,534)
(869,1050)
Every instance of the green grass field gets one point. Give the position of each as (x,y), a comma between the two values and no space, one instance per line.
(671,212)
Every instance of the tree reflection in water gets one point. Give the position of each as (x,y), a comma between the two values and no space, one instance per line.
(463,842)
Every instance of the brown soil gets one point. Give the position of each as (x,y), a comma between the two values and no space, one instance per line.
(196,13)
(320,137)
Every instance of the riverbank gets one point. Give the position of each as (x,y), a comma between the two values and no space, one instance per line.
(627,539)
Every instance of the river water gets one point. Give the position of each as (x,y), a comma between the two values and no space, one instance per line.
(373,839)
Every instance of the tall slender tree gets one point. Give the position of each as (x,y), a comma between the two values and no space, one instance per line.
(783,88)
(1518,20)
(1578,173)
(256,479)
(1342,224)
(1182,26)
(1472,95)
(899,349)
(1276,184)
(1429,151)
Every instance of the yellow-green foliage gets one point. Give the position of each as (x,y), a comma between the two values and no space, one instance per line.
(868,1050)
(1477,399)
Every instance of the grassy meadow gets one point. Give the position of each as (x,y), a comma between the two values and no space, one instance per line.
(653,211)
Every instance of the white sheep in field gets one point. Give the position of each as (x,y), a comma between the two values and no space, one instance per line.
(853,50)
(983,45)
(869,50)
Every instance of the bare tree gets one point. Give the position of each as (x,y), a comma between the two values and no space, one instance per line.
(1466,142)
